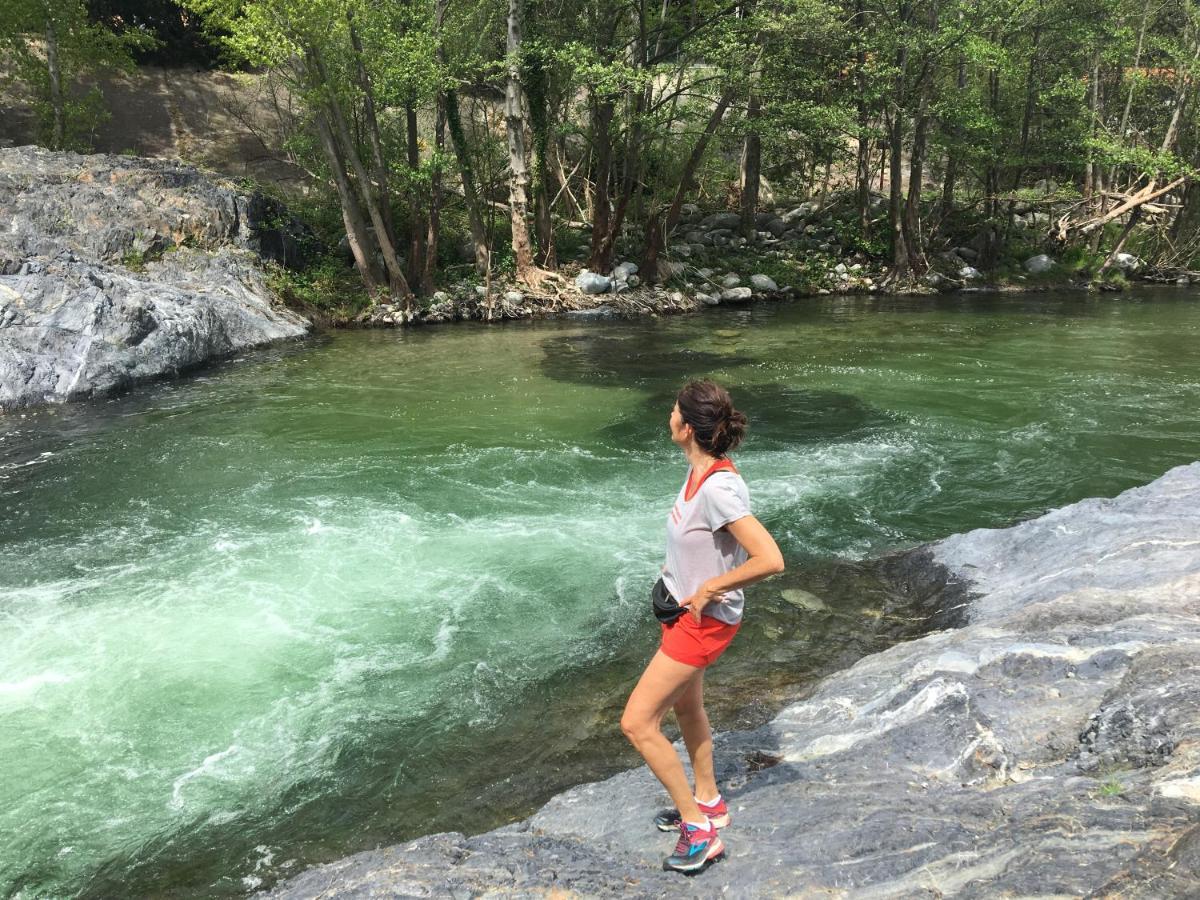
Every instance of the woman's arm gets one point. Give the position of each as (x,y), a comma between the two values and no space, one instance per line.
(764,560)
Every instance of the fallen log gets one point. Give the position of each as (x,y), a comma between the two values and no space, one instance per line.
(1131,202)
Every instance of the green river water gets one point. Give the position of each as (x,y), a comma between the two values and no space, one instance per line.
(378,584)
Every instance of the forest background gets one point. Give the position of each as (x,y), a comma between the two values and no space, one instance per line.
(513,141)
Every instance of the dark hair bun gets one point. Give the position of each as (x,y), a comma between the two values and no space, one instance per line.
(708,408)
(730,432)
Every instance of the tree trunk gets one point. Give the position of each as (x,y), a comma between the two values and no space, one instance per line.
(1187,220)
(631,159)
(896,197)
(914,244)
(1137,61)
(58,109)
(1089,176)
(751,167)
(900,263)
(862,169)
(419,274)
(602,115)
(433,235)
(384,238)
(951,174)
(462,153)
(372,124)
(514,121)
(362,247)
(990,251)
(656,235)
(1134,217)
(1030,106)
(539,115)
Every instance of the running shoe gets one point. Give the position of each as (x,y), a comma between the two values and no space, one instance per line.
(718,814)
(696,849)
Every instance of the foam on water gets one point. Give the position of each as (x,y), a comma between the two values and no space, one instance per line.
(272,594)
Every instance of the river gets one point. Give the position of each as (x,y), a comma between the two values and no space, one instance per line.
(377,584)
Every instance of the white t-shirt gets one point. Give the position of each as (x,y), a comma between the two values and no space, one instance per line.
(698,545)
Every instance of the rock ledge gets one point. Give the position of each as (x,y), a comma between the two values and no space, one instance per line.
(1049,747)
(114,270)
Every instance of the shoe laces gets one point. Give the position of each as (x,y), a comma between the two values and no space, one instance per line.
(685,840)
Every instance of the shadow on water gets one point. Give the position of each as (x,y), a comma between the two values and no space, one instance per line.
(780,416)
(813,620)
(632,359)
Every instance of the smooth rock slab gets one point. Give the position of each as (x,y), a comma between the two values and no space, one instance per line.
(72,329)
(115,270)
(1050,747)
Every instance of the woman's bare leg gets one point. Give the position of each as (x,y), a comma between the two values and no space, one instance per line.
(693,722)
(660,686)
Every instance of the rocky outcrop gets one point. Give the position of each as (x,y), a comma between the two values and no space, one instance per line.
(116,269)
(1050,746)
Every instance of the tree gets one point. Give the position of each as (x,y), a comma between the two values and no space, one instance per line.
(50,46)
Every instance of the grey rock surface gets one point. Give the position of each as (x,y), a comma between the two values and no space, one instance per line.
(1049,747)
(722,220)
(1038,264)
(1127,262)
(592,282)
(114,270)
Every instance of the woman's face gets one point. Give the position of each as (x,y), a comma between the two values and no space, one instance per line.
(680,430)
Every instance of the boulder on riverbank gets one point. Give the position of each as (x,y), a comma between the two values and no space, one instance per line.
(117,269)
(1050,746)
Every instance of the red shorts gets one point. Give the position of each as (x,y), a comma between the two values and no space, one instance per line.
(695,644)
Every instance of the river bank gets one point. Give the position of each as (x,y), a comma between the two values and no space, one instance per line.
(1049,745)
(116,270)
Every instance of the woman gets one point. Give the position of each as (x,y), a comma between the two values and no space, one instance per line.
(714,549)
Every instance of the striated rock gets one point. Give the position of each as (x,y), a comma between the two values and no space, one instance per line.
(1050,746)
(114,209)
(115,270)
(72,329)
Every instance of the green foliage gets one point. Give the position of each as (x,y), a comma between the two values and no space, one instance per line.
(851,238)
(1111,787)
(36,33)
(327,287)
(1003,90)
(134,260)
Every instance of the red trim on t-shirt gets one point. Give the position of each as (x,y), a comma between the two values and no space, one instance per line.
(720,465)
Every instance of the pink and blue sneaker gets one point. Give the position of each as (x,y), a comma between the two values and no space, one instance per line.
(697,848)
